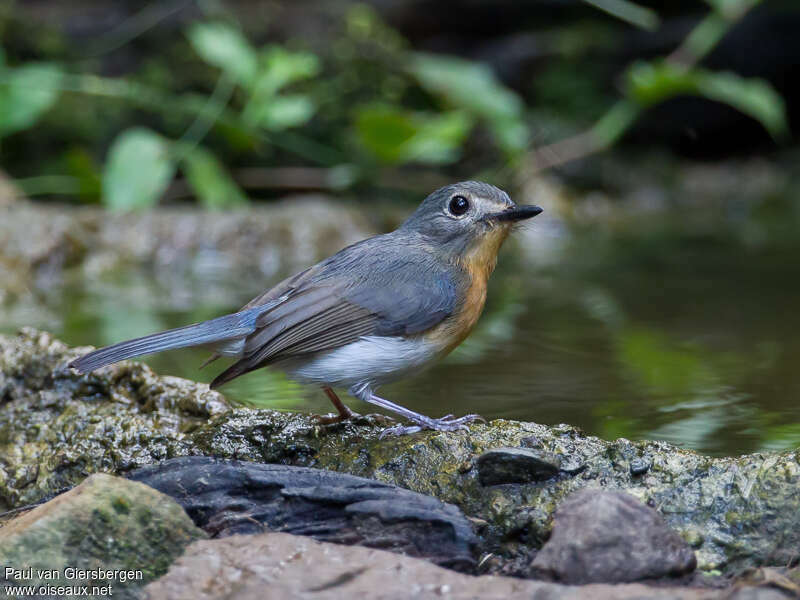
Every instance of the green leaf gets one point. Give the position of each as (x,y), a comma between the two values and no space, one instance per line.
(754,97)
(651,83)
(138,170)
(213,185)
(732,9)
(383,131)
(26,93)
(394,135)
(225,47)
(473,87)
(438,138)
(282,112)
(280,67)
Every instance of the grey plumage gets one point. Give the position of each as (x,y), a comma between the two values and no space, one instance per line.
(220,330)
(386,285)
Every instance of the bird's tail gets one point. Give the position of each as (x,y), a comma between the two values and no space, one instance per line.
(220,331)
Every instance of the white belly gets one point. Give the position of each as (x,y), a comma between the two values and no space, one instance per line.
(371,360)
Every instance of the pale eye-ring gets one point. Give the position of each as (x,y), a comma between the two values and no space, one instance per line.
(458,206)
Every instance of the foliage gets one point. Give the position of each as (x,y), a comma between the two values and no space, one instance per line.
(372,103)
(138,170)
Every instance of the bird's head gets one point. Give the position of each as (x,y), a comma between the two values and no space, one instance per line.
(467,220)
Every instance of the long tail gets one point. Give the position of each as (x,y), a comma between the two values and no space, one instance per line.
(228,328)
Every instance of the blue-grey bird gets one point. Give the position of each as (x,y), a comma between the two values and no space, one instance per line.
(375,312)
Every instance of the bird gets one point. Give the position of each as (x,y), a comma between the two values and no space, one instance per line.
(377,311)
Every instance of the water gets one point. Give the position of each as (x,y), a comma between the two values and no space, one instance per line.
(695,343)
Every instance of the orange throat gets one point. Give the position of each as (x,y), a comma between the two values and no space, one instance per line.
(478,262)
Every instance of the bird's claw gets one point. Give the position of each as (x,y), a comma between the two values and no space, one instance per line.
(445,423)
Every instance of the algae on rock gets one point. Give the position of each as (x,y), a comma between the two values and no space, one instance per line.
(124,531)
(56,427)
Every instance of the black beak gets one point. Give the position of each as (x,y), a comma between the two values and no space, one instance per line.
(515,213)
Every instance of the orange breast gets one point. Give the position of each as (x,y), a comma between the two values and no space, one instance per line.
(478,263)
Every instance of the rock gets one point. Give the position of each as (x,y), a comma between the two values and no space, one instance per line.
(640,466)
(106,523)
(57,426)
(278,566)
(611,537)
(516,465)
(43,240)
(226,497)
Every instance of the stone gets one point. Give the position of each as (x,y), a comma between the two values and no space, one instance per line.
(106,523)
(516,465)
(43,241)
(610,537)
(226,497)
(278,566)
(56,427)
(640,466)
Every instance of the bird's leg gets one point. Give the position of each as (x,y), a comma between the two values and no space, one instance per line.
(446,423)
(345,414)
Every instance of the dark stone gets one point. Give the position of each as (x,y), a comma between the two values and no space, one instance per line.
(610,537)
(516,465)
(227,497)
(640,466)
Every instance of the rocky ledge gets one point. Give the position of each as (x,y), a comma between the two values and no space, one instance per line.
(508,478)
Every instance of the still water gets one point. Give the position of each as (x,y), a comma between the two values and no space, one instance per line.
(696,344)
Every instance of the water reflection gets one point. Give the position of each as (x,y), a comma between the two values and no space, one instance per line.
(699,350)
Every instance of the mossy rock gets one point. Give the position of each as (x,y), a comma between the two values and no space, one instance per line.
(56,427)
(126,532)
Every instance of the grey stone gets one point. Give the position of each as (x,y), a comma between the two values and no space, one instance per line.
(516,465)
(278,566)
(611,537)
(640,466)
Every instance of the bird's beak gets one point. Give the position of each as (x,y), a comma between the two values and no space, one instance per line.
(515,213)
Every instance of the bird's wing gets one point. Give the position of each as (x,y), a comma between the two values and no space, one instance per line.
(368,291)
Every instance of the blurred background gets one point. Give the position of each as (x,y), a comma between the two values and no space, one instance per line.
(163,162)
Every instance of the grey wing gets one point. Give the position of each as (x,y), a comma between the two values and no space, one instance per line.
(335,307)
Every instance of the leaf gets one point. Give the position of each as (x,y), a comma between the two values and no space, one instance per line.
(282,112)
(280,67)
(732,9)
(438,138)
(138,170)
(753,97)
(473,87)
(213,185)
(651,83)
(26,93)
(394,135)
(224,47)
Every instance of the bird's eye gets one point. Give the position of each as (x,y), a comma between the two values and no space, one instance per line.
(458,205)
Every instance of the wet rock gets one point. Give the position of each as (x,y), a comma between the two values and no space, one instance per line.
(610,537)
(226,497)
(245,567)
(42,241)
(516,465)
(56,427)
(106,523)
(640,466)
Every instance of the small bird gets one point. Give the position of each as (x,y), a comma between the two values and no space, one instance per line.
(377,311)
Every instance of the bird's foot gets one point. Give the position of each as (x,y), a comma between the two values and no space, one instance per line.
(333,418)
(445,423)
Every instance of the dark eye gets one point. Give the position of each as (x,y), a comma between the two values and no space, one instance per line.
(458,205)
